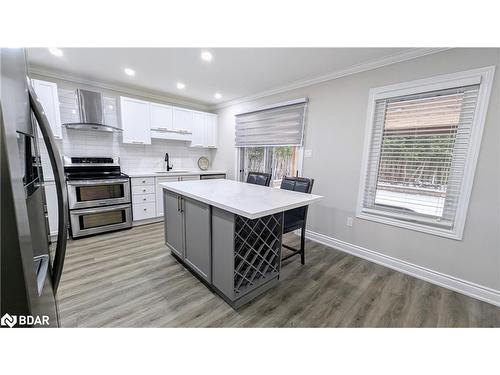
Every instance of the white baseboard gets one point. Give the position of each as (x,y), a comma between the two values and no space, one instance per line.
(461,286)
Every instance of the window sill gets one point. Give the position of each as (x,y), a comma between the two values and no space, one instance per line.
(448,233)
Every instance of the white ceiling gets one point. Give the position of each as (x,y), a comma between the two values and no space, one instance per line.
(234,72)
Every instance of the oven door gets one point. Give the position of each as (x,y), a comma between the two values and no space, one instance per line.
(95,193)
(100,219)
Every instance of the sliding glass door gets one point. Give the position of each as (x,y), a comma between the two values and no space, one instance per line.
(278,160)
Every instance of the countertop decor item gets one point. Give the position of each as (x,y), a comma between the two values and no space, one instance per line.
(203,163)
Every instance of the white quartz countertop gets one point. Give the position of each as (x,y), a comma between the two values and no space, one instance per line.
(248,200)
(182,172)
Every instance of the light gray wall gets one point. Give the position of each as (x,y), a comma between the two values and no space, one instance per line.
(335,133)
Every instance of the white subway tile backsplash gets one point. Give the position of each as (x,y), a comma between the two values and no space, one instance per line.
(133,158)
(110,111)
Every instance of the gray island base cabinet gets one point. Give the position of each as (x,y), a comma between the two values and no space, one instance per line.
(229,233)
(246,254)
(188,232)
(239,258)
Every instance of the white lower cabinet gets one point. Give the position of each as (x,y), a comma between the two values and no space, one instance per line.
(159,192)
(141,181)
(143,189)
(159,189)
(142,211)
(143,198)
(147,195)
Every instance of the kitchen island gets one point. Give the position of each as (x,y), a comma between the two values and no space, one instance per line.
(229,233)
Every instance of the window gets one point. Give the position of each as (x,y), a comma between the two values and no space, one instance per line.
(279,161)
(270,140)
(421,148)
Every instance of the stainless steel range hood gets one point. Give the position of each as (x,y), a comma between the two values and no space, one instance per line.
(91,108)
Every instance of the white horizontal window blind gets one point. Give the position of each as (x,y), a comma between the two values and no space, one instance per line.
(277,126)
(417,156)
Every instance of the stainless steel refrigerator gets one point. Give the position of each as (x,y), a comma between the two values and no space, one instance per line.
(29,272)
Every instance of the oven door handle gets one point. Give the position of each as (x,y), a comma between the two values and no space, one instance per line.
(62,194)
(97,182)
(88,211)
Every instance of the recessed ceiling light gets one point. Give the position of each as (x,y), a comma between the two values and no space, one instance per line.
(181,85)
(129,72)
(56,52)
(218,95)
(207,56)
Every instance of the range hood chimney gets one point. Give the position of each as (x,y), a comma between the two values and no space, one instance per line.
(91,108)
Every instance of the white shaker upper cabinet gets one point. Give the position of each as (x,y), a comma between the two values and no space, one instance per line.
(204,130)
(161,117)
(183,119)
(198,129)
(210,130)
(47,94)
(135,121)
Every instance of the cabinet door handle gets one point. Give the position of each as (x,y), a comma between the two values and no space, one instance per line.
(181,200)
(139,142)
(178,204)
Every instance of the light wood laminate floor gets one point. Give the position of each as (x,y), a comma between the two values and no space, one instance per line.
(129,279)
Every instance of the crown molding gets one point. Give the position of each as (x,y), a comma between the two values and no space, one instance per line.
(370,65)
(40,72)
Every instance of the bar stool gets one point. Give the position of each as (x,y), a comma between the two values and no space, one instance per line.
(259,178)
(296,218)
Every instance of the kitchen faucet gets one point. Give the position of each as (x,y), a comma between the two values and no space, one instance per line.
(169,167)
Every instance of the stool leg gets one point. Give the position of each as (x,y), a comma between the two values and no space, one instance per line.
(302,245)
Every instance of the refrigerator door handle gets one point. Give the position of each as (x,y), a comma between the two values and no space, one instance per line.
(62,194)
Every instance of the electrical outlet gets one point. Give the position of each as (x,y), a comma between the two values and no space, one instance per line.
(308,153)
(349,221)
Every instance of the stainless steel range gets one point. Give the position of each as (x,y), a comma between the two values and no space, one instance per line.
(98,195)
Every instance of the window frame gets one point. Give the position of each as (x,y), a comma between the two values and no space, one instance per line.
(481,76)
(239,159)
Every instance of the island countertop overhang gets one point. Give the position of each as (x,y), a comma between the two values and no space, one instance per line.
(248,200)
